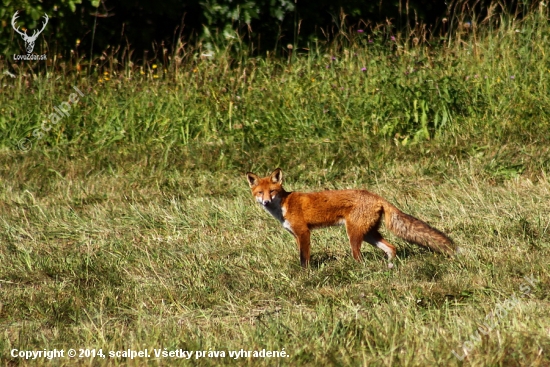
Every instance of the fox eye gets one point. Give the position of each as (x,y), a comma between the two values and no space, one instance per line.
(260,192)
(272,192)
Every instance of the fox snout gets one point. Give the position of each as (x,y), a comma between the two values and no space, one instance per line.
(263,201)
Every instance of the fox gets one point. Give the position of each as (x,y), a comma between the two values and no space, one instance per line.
(360,211)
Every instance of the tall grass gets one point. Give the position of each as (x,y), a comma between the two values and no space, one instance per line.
(361,86)
(129,224)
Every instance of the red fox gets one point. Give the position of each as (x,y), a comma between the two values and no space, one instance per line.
(359,210)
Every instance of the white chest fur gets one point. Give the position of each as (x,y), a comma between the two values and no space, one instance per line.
(278,212)
(276,209)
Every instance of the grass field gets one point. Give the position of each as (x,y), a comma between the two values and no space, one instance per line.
(128,223)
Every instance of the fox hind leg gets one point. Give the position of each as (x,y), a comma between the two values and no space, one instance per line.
(375,238)
(355,236)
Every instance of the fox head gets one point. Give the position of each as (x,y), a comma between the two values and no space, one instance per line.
(266,189)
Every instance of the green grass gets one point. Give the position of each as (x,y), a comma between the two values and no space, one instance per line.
(483,82)
(137,258)
(130,225)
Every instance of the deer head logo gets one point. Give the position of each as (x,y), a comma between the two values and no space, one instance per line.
(29,40)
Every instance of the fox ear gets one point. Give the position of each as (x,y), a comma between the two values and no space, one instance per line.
(277,176)
(252,179)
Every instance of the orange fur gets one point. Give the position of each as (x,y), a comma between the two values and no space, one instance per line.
(359,210)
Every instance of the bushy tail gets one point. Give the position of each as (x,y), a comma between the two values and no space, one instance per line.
(416,231)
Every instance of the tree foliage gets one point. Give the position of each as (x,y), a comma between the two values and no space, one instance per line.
(86,26)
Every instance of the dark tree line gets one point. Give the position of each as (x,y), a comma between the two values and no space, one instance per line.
(143,25)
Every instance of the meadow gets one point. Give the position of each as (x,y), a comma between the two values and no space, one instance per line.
(126,222)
